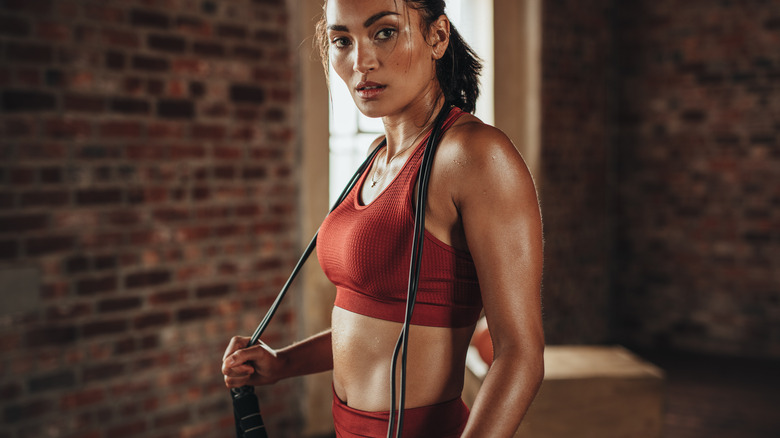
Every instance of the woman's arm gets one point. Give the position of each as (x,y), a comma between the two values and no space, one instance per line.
(262,365)
(497,202)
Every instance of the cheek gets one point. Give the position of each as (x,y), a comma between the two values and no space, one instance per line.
(341,65)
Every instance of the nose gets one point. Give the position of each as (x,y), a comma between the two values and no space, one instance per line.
(365,59)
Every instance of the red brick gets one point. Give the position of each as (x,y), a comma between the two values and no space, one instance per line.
(22,223)
(166,43)
(26,411)
(102,328)
(175,108)
(99,285)
(18,127)
(38,246)
(28,78)
(130,429)
(231,31)
(183,152)
(65,312)
(52,381)
(18,100)
(148,18)
(193,26)
(145,152)
(150,63)
(223,172)
(52,198)
(172,419)
(151,320)
(98,196)
(147,279)
(119,304)
(254,173)
(208,132)
(37,7)
(215,110)
(129,106)
(53,335)
(228,153)
(56,32)
(69,129)
(102,13)
(190,66)
(82,398)
(244,93)
(247,52)
(192,313)
(32,53)
(208,49)
(10,391)
(269,37)
(168,297)
(217,290)
(9,249)
(166,130)
(51,175)
(120,129)
(13,26)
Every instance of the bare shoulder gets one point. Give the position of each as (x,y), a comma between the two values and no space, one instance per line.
(477,154)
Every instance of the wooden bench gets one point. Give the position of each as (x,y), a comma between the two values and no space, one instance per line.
(588,391)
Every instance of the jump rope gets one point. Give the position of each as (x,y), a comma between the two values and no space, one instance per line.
(246,410)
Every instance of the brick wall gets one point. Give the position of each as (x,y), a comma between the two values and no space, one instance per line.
(574,178)
(699,210)
(148,211)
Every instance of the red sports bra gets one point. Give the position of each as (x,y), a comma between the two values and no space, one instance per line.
(365,250)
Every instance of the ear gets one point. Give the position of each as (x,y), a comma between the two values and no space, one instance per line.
(439,36)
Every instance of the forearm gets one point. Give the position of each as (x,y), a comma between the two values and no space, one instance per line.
(505,395)
(310,356)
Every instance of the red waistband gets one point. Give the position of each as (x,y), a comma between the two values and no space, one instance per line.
(442,420)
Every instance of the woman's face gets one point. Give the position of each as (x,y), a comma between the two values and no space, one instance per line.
(378,49)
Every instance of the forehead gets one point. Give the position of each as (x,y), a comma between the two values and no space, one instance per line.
(354,11)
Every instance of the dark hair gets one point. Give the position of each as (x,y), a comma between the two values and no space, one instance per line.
(457,71)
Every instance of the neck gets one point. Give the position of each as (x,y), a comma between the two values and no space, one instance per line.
(405,127)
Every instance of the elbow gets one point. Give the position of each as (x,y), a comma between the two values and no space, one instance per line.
(528,362)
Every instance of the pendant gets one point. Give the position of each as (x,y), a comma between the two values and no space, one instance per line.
(373,183)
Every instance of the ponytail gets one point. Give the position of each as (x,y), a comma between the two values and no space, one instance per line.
(458,73)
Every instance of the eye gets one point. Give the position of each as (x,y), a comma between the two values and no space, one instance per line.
(340,42)
(385,34)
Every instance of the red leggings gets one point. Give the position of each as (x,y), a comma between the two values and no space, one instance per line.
(443,420)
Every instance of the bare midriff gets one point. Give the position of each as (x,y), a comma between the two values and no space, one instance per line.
(362,351)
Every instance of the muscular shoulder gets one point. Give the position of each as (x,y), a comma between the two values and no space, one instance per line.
(476,157)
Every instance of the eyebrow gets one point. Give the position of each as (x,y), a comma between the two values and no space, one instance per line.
(371,20)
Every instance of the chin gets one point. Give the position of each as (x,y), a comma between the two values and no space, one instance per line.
(370,109)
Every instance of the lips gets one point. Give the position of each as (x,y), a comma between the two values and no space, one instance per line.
(369,90)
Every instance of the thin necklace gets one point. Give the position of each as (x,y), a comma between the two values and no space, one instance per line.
(376,175)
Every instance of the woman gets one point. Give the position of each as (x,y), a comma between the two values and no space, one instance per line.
(404,62)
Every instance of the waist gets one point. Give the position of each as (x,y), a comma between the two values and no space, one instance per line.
(362,351)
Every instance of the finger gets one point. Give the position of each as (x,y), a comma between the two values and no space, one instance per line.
(236,343)
(235,382)
(238,371)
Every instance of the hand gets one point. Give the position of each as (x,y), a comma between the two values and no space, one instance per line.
(256,365)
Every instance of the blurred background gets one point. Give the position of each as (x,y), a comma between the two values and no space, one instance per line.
(163,162)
